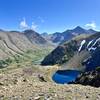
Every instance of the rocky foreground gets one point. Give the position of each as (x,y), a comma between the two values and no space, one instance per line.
(33,84)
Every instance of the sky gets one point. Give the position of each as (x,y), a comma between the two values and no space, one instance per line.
(49,15)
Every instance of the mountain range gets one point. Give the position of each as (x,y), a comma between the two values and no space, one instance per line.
(16,43)
(59,37)
(81,52)
(77,49)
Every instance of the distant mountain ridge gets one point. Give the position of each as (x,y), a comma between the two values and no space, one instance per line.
(59,37)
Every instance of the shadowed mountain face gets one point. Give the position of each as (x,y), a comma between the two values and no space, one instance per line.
(64,52)
(61,54)
(67,35)
(34,37)
(91,78)
(61,37)
(78,51)
(92,31)
(79,30)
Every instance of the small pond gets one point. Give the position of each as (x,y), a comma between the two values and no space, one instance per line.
(65,76)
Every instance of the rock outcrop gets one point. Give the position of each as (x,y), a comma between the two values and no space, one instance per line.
(91,78)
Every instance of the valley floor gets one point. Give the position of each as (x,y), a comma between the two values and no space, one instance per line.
(26,84)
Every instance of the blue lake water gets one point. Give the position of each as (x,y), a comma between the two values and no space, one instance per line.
(65,76)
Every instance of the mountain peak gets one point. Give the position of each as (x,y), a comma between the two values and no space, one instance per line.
(92,31)
(29,31)
(78,28)
(45,33)
(34,37)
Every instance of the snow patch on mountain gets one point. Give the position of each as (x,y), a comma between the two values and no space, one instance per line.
(89,43)
(96,41)
(82,43)
(92,48)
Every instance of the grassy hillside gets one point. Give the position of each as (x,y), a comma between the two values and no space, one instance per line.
(28,57)
(16,48)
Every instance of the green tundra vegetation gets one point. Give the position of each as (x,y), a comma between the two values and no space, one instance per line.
(32,57)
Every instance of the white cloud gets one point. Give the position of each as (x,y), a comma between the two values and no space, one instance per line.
(41,19)
(23,24)
(91,25)
(34,26)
